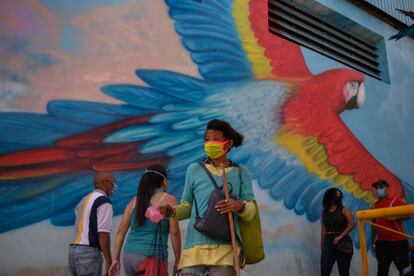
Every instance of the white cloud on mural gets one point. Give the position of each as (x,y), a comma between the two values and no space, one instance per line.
(10,94)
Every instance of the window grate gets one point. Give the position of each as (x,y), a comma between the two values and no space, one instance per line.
(296,24)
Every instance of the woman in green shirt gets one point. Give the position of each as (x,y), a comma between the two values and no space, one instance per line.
(201,253)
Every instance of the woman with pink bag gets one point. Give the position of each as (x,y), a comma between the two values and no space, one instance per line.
(147,227)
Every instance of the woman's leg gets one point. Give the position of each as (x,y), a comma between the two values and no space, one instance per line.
(344,262)
(130,263)
(327,257)
(343,259)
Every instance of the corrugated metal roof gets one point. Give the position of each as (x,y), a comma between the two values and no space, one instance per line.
(390,6)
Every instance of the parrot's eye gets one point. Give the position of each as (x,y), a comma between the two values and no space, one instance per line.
(353,85)
(351,90)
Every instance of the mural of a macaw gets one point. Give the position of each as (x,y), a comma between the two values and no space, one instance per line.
(406,31)
(296,144)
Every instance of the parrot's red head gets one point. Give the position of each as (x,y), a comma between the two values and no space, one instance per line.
(334,90)
(323,96)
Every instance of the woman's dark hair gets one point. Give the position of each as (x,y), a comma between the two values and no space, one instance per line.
(150,181)
(329,197)
(228,132)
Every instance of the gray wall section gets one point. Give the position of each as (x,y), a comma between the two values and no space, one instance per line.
(389,7)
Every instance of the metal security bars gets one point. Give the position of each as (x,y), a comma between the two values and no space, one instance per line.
(295,23)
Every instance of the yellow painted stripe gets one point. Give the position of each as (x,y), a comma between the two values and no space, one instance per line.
(80,226)
(314,156)
(260,63)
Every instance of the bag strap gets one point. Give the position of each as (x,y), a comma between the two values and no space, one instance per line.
(213,181)
(161,245)
(157,241)
(161,198)
(153,246)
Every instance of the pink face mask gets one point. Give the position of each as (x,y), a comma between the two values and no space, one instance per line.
(152,213)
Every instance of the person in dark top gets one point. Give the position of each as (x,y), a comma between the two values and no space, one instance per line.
(337,222)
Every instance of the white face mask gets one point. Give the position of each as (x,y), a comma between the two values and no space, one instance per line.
(114,189)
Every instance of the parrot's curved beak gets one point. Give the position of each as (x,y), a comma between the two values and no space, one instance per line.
(358,100)
(361,95)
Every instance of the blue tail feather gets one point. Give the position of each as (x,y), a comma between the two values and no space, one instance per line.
(144,98)
(179,86)
(33,130)
(137,133)
(293,194)
(186,147)
(189,123)
(90,113)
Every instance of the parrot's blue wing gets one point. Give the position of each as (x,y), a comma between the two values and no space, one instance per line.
(209,33)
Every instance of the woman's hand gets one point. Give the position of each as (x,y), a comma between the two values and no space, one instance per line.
(166,210)
(337,239)
(231,205)
(115,268)
(175,269)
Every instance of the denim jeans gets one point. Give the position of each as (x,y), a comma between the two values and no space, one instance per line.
(331,254)
(203,270)
(130,263)
(85,261)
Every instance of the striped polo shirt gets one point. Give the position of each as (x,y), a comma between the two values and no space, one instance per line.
(93,215)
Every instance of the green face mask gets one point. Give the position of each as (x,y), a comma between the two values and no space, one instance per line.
(215,149)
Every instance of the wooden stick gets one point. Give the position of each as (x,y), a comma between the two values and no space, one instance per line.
(231,222)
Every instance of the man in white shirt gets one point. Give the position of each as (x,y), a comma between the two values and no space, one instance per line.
(92,229)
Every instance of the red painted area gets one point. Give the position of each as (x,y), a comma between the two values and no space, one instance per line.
(85,151)
(314,111)
(285,57)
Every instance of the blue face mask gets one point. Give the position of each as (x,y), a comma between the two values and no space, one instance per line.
(380,193)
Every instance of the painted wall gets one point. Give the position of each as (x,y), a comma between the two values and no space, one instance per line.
(71,102)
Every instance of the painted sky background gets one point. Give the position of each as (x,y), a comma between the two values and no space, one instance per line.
(69,49)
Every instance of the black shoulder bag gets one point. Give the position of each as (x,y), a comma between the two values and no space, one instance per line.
(213,224)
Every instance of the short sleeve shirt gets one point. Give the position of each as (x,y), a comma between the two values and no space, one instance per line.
(385,235)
